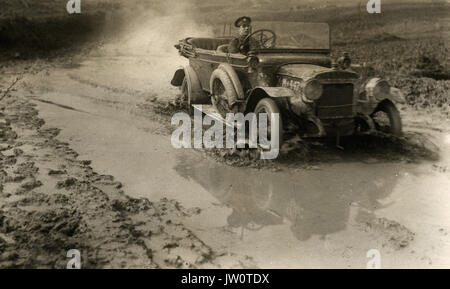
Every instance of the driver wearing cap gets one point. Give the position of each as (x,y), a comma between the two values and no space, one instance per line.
(241,44)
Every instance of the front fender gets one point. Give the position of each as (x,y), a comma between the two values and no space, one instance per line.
(274,92)
(260,92)
(368,101)
(396,95)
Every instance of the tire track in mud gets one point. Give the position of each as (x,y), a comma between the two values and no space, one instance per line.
(94,84)
(60,105)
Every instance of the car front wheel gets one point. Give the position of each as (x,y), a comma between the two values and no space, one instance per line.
(387,118)
(269,106)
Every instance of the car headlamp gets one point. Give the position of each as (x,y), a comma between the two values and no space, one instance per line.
(377,89)
(313,90)
(344,61)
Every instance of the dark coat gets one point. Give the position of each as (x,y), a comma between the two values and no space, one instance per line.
(239,45)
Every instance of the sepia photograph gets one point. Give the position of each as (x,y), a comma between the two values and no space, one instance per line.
(235,135)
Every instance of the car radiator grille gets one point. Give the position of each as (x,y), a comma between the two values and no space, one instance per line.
(336,101)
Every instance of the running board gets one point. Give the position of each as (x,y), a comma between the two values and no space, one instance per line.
(210,111)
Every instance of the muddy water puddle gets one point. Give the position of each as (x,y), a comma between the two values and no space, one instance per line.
(328,216)
(342,210)
(315,202)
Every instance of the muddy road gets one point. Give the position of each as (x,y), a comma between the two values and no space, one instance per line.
(327,211)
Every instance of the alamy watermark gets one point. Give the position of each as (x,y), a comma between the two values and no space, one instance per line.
(375,259)
(373,6)
(214,137)
(73,7)
(75,261)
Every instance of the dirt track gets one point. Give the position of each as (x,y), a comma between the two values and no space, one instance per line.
(327,211)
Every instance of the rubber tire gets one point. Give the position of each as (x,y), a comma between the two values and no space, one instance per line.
(222,76)
(271,107)
(185,92)
(394,117)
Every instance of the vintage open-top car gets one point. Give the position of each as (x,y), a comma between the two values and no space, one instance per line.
(289,71)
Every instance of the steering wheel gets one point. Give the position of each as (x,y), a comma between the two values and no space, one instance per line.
(266,38)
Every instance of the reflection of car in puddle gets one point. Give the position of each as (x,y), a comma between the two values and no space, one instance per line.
(311,202)
(250,213)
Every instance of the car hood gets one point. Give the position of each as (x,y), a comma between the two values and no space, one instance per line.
(308,71)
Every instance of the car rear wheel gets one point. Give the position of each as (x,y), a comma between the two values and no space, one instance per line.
(186,97)
(387,118)
(269,106)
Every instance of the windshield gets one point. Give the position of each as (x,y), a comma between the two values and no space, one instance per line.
(293,35)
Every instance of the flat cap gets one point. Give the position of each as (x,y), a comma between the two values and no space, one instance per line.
(242,20)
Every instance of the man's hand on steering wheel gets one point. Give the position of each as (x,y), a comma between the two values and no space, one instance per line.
(264,37)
